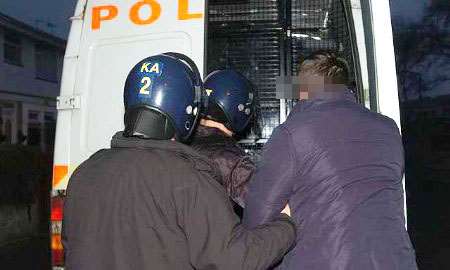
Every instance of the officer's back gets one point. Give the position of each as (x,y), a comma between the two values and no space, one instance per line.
(129,207)
(151,202)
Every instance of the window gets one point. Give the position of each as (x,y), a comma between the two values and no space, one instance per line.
(7,122)
(7,133)
(12,49)
(34,128)
(40,125)
(49,129)
(46,62)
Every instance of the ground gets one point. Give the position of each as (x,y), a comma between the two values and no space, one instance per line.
(26,254)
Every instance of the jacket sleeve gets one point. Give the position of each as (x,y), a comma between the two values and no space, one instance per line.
(240,179)
(217,240)
(273,182)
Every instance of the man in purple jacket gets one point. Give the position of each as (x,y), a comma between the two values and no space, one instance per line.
(340,167)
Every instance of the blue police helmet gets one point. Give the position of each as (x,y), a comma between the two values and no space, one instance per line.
(170,85)
(233,94)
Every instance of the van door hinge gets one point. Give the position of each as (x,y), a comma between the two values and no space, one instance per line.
(68,102)
(79,16)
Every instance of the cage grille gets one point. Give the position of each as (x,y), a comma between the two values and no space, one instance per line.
(319,25)
(264,39)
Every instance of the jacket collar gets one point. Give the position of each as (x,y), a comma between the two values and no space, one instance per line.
(334,95)
(203,131)
(324,97)
(199,162)
(119,141)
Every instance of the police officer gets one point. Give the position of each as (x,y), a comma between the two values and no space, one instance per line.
(151,202)
(229,109)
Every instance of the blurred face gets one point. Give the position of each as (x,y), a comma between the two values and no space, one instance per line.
(312,85)
(309,84)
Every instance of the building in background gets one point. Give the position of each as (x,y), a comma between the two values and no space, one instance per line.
(30,71)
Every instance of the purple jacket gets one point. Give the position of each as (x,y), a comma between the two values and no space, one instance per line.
(340,166)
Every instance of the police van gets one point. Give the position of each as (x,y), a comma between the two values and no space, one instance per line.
(262,39)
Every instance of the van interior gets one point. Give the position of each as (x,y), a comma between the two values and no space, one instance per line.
(266,39)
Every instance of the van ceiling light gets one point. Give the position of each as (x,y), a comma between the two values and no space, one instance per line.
(300,35)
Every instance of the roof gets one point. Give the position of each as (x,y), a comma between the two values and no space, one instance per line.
(30,31)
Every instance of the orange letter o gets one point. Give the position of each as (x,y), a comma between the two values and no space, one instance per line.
(154,6)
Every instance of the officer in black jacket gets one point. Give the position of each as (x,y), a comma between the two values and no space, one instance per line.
(228,112)
(151,202)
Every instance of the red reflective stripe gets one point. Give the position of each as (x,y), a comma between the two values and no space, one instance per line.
(57,250)
(57,209)
(57,257)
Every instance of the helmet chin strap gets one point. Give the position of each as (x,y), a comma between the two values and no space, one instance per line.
(214,124)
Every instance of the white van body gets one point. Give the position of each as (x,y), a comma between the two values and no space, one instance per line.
(108,37)
(99,56)
(98,59)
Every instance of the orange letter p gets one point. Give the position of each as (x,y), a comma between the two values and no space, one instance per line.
(98,17)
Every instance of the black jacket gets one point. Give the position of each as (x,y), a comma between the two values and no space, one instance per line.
(234,164)
(147,204)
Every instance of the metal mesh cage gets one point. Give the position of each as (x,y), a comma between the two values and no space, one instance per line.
(264,39)
(245,36)
(255,55)
(246,14)
(319,25)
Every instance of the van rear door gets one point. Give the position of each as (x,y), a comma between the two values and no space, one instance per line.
(113,36)
(107,38)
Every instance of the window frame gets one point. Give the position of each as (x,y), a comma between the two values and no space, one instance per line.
(15,42)
(46,52)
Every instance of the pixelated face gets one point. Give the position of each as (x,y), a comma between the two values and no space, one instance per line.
(306,86)
(309,82)
(310,85)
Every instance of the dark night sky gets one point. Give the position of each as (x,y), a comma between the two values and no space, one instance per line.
(411,10)
(48,15)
